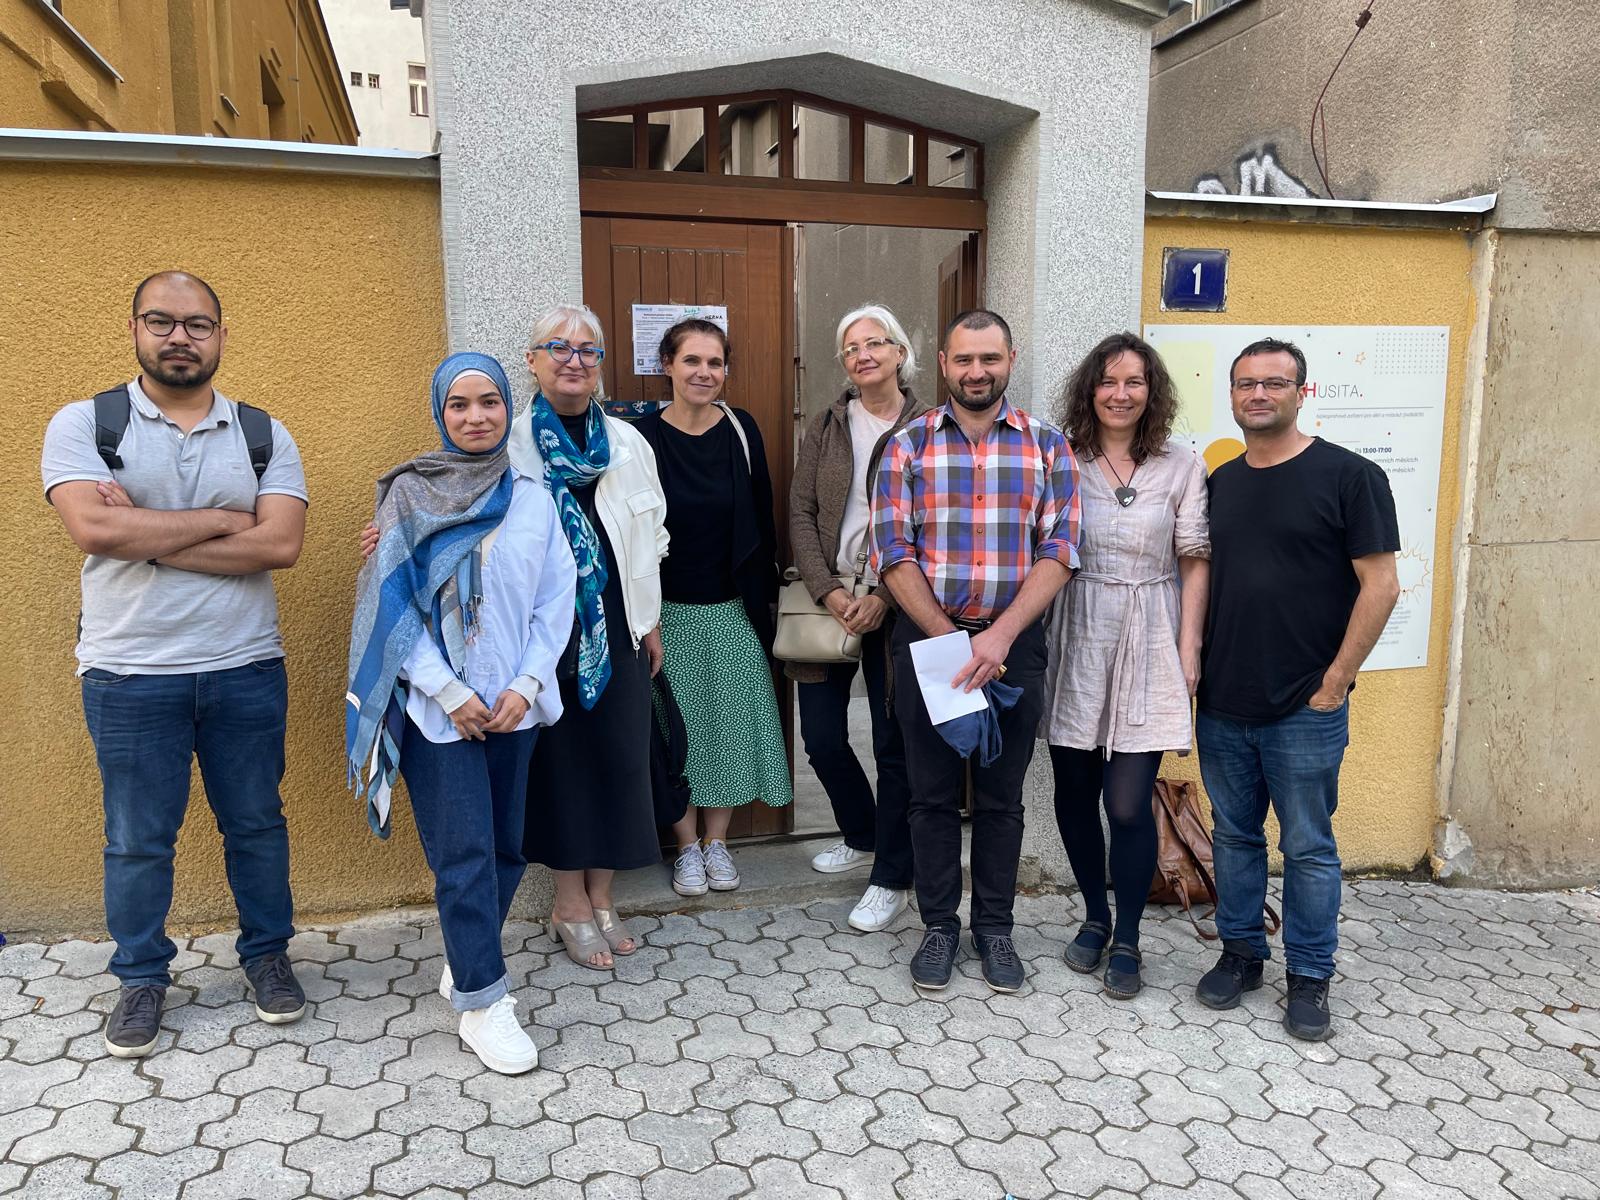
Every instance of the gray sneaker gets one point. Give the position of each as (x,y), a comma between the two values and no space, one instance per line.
(279,998)
(136,1021)
(721,874)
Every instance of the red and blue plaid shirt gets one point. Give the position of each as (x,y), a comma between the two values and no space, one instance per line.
(976,517)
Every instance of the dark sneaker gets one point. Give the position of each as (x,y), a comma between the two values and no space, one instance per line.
(934,960)
(136,1021)
(1086,950)
(279,999)
(1122,980)
(1238,971)
(1002,969)
(1307,1016)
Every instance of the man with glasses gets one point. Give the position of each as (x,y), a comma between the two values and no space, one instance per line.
(1303,542)
(183,520)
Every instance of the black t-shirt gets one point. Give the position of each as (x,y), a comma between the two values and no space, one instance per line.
(1282,584)
(699,492)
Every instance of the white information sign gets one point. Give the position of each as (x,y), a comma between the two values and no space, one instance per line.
(1377,390)
(651,321)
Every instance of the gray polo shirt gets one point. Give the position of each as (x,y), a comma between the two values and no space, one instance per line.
(140,619)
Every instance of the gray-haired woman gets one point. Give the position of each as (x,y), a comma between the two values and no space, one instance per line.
(829,524)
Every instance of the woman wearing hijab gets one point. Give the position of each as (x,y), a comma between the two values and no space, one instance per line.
(461,614)
(717,587)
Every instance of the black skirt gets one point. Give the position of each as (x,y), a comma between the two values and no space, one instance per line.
(589,798)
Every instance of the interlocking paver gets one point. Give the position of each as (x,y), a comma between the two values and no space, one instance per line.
(166,1125)
(138,1175)
(433,1157)
(343,1167)
(752,1053)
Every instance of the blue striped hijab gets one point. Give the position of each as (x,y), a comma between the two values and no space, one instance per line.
(423,580)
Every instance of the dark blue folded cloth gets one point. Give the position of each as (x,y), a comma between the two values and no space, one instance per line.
(979,732)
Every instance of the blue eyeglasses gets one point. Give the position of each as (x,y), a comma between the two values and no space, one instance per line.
(562,352)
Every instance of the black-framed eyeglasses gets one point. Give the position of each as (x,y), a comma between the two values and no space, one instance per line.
(1276,386)
(160,324)
(562,352)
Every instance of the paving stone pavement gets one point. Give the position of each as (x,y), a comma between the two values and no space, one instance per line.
(776,1053)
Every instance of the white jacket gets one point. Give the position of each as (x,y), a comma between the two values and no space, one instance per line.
(632,509)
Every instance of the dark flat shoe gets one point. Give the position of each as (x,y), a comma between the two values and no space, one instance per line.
(1120,982)
(1084,957)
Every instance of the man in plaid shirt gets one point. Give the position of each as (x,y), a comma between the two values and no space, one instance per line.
(975,521)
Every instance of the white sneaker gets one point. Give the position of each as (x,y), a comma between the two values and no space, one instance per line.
(496,1036)
(689,872)
(447,982)
(840,857)
(721,874)
(878,908)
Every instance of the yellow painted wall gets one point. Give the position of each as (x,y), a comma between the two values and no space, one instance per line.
(1304,274)
(177,59)
(333,294)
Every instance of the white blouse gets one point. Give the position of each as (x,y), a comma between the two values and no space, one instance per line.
(524,623)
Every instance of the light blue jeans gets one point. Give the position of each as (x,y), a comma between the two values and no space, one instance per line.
(1293,764)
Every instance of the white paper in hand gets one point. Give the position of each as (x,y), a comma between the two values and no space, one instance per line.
(937,661)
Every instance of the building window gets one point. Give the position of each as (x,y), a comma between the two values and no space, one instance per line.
(355,78)
(406,4)
(372,80)
(419,89)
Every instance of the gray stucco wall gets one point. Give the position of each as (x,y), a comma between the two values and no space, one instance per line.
(1521,776)
(1055,90)
(1437,100)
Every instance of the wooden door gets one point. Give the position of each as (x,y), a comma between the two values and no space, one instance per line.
(958,281)
(750,269)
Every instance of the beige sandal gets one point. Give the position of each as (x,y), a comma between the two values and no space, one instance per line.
(581,940)
(614,931)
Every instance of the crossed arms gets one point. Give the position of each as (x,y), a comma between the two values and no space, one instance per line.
(102,520)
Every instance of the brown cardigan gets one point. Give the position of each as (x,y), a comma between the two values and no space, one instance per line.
(822,478)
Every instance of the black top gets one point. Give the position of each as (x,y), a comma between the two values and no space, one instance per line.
(745,539)
(1282,583)
(577,428)
(698,568)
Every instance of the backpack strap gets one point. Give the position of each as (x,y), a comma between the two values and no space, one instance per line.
(112,409)
(257,426)
(738,428)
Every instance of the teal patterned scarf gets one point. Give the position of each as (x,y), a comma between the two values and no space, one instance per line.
(567,467)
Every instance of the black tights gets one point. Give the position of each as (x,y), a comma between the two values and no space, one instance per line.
(1127,781)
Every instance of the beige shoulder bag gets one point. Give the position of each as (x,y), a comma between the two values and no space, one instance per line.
(807,631)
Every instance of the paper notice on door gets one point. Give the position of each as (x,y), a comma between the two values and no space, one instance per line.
(937,662)
(650,321)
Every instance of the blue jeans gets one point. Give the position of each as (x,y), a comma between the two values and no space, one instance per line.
(879,825)
(470,801)
(147,729)
(1293,763)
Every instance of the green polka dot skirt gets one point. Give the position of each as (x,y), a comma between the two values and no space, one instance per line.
(721,682)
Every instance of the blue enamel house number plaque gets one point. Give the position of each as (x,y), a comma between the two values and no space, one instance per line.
(1194,280)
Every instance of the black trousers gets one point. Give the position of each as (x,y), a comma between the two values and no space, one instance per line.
(937,774)
(864,823)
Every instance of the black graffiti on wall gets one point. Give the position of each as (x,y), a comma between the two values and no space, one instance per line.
(1260,174)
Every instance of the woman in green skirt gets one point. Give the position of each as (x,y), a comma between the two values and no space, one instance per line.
(718,584)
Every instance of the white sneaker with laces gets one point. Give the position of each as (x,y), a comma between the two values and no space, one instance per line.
(878,908)
(496,1036)
(721,874)
(841,857)
(447,982)
(689,872)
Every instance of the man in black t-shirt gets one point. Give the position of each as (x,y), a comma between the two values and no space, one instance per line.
(1303,539)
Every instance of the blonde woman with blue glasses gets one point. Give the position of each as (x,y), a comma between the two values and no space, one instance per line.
(828,530)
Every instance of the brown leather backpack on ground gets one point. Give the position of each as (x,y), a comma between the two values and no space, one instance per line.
(1183,855)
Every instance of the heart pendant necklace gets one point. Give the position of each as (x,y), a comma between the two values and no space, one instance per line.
(1126,491)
